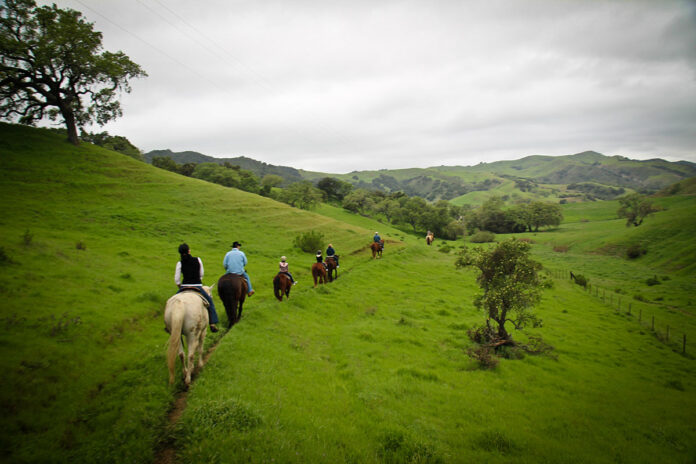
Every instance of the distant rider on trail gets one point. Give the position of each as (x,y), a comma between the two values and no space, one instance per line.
(283,265)
(191,268)
(331,253)
(320,260)
(378,239)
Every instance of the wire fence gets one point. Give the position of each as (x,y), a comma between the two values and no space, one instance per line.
(643,313)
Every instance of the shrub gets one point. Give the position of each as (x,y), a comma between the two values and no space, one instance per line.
(561,248)
(635,251)
(639,297)
(81,245)
(4,257)
(581,280)
(652,281)
(482,236)
(483,355)
(481,334)
(310,241)
(445,249)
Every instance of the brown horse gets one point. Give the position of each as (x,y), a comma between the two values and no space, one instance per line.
(319,273)
(377,249)
(331,266)
(429,238)
(281,285)
(232,290)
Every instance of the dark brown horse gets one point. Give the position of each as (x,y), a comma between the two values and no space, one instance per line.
(429,238)
(232,290)
(281,286)
(319,273)
(331,267)
(377,249)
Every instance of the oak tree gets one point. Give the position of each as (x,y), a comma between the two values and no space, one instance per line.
(52,65)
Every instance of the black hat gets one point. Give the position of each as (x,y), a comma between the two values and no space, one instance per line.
(236,244)
(183,249)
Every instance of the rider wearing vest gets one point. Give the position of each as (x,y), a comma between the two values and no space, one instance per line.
(191,269)
(331,253)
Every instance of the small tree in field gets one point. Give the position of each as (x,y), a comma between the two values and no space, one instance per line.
(635,208)
(511,287)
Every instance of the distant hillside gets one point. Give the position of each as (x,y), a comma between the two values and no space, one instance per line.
(581,177)
(259,168)
(591,166)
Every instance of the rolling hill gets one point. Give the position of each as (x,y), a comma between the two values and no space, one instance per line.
(580,177)
(371,368)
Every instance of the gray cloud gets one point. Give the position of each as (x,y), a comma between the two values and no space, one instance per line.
(337,86)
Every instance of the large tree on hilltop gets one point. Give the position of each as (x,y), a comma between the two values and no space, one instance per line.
(51,65)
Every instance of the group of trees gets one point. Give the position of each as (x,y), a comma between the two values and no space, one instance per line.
(494,217)
(225,174)
(441,217)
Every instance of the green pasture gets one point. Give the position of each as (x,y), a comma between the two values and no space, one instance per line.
(370,368)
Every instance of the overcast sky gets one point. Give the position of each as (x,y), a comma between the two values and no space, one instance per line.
(352,85)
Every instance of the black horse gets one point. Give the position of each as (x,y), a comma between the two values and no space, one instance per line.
(232,290)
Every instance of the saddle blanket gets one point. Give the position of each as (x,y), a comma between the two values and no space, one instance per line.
(189,290)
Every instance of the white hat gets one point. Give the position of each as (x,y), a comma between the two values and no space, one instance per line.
(282,258)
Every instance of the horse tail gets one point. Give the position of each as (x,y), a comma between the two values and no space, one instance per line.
(276,288)
(177,324)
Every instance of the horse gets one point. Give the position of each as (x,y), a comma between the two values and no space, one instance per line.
(331,267)
(281,285)
(429,238)
(377,248)
(232,290)
(185,315)
(318,273)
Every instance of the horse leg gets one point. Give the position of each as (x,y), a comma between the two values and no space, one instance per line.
(186,365)
(201,342)
(241,304)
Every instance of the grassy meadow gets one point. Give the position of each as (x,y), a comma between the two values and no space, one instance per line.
(370,368)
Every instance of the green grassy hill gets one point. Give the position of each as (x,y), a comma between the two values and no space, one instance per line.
(371,368)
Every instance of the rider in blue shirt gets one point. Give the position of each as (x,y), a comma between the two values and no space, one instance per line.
(234,263)
(331,253)
(378,239)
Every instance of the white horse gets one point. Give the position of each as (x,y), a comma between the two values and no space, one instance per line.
(186,315)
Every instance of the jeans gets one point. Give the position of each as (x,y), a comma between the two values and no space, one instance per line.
(246,277)
(212,314)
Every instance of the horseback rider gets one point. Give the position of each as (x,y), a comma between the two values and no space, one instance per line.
(283,265)
(234,263)
(191,268)
(331,253)
(378,239)
(320,260)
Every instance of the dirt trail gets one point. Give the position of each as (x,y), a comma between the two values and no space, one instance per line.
(166,454)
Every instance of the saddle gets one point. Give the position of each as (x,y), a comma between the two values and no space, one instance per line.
(192,289)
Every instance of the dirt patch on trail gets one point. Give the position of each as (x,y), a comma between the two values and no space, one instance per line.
(166,454)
